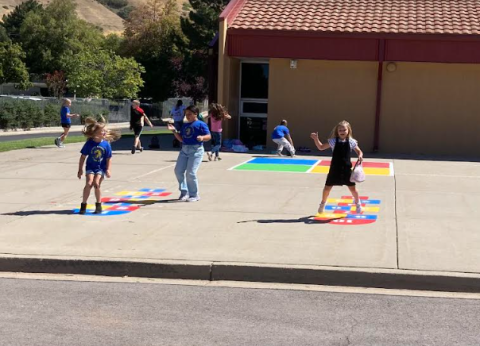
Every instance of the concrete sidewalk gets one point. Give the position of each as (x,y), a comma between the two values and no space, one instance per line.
(57,129)
(248,226)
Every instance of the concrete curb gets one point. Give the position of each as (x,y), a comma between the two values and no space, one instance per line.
(250,272)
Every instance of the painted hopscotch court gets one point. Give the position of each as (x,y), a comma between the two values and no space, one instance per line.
(268,164)
(338,211)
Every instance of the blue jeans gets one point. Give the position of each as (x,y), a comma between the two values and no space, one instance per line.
(216,142)
(188,162)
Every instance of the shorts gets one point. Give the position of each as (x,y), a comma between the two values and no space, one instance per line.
(66,125)
(95,172)
(137,130)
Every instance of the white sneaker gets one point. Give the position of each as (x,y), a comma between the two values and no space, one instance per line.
(209,156)
(358,208)
(183,198)
(61,145)
(193,199)
(321,207)
(279,154)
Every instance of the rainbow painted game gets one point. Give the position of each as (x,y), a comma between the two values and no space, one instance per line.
(269,164)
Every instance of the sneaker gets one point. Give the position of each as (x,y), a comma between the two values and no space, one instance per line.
(209,156)
(83,208)
(98,208)
(218,158)
(293,156)
(183,198)
(141,149)
(279,154)
(133,150)
(321,207)
(61,145)
(358,208)
(193,199)
(57,142)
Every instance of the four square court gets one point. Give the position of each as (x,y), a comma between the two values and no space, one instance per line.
(290,165)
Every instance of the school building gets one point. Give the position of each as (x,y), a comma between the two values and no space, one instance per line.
(404,73)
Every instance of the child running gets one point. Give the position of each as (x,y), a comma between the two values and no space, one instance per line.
(192,135)
(66,122)
(281,136)
(342,143)
(216,114)
(98,153)
(137,121)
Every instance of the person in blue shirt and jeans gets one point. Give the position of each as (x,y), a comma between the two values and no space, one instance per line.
(66,122)
(281,136)
(98,153)
(193,133)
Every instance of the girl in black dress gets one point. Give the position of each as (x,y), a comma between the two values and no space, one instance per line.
(342,143)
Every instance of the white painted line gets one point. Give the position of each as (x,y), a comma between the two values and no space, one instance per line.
(231,169)
(154,171)
(391,169)
(313,167)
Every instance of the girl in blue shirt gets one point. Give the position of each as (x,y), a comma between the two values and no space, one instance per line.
(98,153)
(193,133)
(66,122)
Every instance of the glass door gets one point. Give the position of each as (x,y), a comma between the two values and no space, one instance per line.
(253,103)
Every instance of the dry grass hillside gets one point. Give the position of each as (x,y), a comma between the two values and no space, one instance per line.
(88,10)
(93,12)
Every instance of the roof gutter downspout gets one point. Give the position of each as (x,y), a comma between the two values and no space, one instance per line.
(378,110)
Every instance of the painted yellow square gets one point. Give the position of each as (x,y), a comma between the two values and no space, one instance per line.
(123,193)
(330,215)
(376,171)
(337,200)
(320,169)
(369,209)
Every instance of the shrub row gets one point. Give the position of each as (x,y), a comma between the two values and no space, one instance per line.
(27,114)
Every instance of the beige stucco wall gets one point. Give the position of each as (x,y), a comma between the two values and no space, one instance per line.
(319,94)
(431,109)
(232,89)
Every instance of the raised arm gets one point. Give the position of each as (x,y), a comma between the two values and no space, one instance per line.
(175,132)
(319,145)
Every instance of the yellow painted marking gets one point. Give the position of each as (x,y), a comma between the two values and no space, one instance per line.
(367,170)
(369,209)
(376,171)
(130,193)
(330,215)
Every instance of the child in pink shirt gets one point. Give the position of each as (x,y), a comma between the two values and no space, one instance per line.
(216,115)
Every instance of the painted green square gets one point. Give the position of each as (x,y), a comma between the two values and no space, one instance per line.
(272,167)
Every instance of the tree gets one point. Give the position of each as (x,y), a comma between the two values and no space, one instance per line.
(202,23)
(103,74)
(14,20)
(56,83)
(151,37)
(199,29)
(12,67)
(48,36)
(185,85)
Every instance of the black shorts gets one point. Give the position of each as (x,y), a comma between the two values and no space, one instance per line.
(137,130)
(66,125)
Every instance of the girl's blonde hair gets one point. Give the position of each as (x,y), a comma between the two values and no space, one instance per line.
(345,123)
(66,102)
(92,125)
(218,111)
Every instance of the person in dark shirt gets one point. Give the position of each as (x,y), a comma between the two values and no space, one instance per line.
(137,121)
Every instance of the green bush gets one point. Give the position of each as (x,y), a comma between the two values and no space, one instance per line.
(51,115)
(7,116)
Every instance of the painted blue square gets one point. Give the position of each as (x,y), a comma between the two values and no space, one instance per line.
(268,160)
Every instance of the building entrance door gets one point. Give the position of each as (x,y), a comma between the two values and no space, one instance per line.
(253,103)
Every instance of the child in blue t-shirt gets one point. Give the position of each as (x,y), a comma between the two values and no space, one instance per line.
(66,122)
(281,137)
(98,153)
(192,135)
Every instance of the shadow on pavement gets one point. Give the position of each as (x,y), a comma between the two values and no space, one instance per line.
(40,212)
(308,220)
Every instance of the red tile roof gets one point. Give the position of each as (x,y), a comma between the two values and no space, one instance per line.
(460,17)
